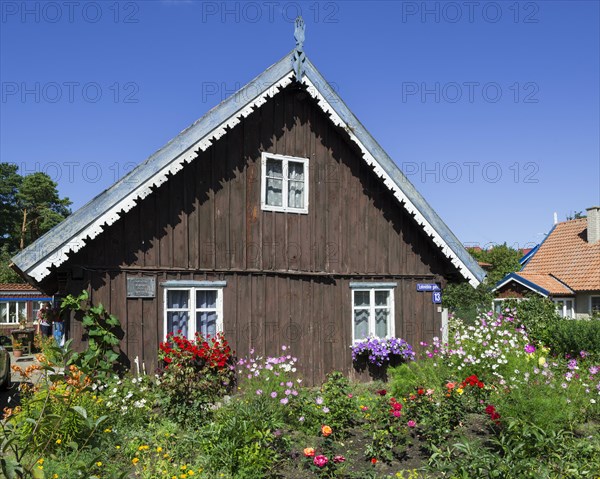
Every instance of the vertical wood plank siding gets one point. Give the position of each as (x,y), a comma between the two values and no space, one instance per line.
(287,275)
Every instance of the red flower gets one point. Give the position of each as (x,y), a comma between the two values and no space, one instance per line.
(373,460)
(381,392)
(420,391)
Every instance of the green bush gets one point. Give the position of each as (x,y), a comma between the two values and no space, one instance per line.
(536,314)
(196,375)
(426,372)
(568,336)
(244,440)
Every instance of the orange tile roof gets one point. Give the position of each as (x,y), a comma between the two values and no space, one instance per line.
(16,287)
(567,255)
(546,281)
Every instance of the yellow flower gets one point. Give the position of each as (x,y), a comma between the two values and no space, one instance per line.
(55,476)
(183,476)
(135,460)
(159,449)
(542,361)
(459,391)
(58,441)
(183,467)
(190,473)
(165,456)
(108,430)
(117,447)
(41,461)
(40,467)
(99,464)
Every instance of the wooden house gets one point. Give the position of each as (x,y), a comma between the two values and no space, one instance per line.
(275,218)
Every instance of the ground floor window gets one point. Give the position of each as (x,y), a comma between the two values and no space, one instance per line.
(595,304)
(564,307)
(193,307)
(11,312)
(372,310)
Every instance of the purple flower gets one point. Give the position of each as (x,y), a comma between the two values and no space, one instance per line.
(319,400)
(530,349)
(274,394)
(284,401)
(325,410)
(259,392)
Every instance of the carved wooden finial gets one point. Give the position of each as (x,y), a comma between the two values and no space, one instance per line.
(299,58)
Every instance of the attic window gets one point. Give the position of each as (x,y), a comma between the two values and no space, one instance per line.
(284,183)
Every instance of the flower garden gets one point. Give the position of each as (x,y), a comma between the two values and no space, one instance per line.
(492,402)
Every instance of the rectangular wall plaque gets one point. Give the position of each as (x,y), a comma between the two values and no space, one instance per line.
(141,287)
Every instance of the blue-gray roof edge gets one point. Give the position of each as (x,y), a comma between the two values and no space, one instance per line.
(86,215)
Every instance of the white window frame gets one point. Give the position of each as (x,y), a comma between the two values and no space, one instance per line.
(561,306)
(192,287)
(500,301)
(284,190)
(591,299)
(14,307)
(389,288)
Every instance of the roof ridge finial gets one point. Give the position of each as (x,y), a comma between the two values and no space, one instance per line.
(299,57)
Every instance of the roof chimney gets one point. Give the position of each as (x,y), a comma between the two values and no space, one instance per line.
(593,224)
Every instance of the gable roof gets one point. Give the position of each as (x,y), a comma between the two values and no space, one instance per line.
(69,236)
(567,255)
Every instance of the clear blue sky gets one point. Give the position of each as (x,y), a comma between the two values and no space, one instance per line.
(490,108)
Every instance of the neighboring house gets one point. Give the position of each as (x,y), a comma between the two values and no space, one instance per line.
(565,268)
(276,218)
(18,302)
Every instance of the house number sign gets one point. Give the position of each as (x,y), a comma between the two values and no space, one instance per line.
(141,287)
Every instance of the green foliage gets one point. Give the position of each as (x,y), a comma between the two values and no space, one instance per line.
(465,301)
(10,182)
(569,337)
(40,207)
(386,432)
(244,440)
(551,408)
(100,357)
(536,314)
(196,375)
(520,450)
(7,274)
(408,377)
(337,394)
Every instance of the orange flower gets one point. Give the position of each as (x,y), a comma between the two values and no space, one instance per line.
(309,452)
(326,431)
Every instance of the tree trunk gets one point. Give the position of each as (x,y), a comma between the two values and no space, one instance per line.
(23,229)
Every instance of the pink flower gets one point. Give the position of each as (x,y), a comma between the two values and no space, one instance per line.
(411,423)
(320,460)
(339,459)
(397,413)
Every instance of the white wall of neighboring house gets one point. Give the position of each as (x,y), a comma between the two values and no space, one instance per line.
(582,304)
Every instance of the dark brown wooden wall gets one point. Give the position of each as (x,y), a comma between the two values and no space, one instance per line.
(312,315)
(288,269)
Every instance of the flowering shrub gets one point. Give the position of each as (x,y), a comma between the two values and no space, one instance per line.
(385,427)
(196,374)
(273,378)
(322,461)
(380,351)
(484,349)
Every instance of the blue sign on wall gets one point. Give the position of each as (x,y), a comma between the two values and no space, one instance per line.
(436,297)
(427,287)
